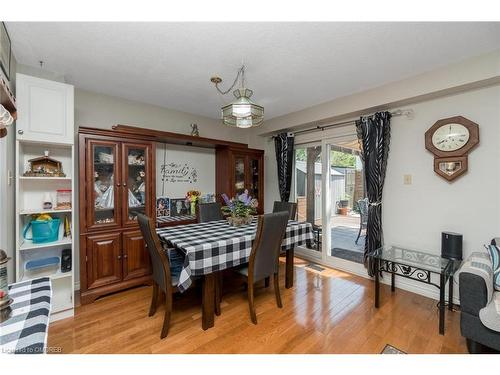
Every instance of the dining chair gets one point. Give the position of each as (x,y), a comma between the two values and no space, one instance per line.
(290,207)
(209,212)
(212,212)
(167,266)
(263,262)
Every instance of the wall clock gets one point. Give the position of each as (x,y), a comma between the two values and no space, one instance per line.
(451,140)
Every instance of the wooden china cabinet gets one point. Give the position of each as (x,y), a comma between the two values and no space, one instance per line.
(240,169)
(116,183)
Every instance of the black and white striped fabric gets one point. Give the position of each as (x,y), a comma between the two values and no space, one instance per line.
(25,331)
(173,219)
(216,245)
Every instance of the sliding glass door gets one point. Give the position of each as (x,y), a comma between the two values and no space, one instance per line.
(330,192)
(346,209)
(308,169)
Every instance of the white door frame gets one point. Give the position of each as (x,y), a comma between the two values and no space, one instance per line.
(344,133)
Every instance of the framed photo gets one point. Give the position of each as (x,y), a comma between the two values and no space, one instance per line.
(5,51)
(162,206)
(179,207)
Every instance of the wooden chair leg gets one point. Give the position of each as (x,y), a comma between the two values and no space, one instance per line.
(168,313)
(218,293)
(267,282)
(277,290)
(251,305)
(154,300)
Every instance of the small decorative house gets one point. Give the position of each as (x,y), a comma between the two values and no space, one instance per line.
(44,166)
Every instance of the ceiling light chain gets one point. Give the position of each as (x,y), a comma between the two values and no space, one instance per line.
(217,80)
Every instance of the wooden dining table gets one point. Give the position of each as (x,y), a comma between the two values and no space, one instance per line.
(216,245)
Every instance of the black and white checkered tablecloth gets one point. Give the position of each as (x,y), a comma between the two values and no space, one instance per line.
(173,219)
(216,245)
(25,330)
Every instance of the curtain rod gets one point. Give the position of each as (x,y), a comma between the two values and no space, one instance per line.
(399,112)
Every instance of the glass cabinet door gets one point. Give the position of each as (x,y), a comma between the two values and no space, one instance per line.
(103,176)
(239,173)
(254,182)
(135,181)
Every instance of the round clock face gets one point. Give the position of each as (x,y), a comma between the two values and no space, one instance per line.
(450,137)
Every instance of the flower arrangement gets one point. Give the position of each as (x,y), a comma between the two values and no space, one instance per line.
(192,196)
(241,208)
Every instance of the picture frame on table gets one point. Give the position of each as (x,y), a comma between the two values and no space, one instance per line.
(5,51)
(179,207)
(162,206)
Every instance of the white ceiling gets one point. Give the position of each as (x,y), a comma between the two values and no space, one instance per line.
(290,66)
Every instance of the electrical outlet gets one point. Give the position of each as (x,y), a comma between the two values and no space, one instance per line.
(407,179)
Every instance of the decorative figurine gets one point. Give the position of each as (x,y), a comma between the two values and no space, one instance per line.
(44,166)
(194,130)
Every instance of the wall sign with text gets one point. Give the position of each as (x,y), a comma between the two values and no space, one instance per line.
(178,173)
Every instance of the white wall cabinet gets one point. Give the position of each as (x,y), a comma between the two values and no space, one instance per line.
(45,110)
(45,123)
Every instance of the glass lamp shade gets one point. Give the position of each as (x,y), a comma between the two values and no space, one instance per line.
(242,113)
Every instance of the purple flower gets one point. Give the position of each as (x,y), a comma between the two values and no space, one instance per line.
(226,199)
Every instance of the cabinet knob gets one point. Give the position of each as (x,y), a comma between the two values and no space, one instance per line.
(124,184)
(20,131)
(119,257)
(118,184)
(125,256)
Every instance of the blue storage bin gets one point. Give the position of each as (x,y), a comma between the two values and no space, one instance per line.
(42,230)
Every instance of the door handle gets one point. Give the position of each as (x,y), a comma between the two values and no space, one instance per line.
(20,131)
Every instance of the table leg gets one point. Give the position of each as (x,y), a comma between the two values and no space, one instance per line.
(442,285)
(393,277)
(377,283)
(450,293)
(289,269)
(208,301)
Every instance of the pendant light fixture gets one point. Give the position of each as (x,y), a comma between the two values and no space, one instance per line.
(242,113)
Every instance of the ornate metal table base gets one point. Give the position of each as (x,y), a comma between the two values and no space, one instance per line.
(418,274)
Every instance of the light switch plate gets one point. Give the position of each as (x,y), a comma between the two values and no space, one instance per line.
(407,179)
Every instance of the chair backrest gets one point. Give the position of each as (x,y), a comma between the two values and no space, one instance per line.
(290,207)
(159,260)
(266,248)
(363,209)
(209,212)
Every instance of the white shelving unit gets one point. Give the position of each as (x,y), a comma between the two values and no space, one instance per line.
(33,131)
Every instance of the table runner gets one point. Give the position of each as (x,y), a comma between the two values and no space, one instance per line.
(25,331)
(216,245)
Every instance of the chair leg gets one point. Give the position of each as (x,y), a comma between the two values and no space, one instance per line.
(154,300)
(251,305)
(277,290)
(168,313)
(267,282)
(218,293)
(359,234)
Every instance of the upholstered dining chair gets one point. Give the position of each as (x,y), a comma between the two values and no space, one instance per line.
(263,261)
(290,207)
(209,212)
(212,212)
(167,266)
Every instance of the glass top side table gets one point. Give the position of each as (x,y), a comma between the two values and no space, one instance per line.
(419,266)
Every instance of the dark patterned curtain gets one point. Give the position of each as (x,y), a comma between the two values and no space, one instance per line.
(374,135)
(283,143)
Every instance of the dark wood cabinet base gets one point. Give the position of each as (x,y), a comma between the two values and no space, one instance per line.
(91,295)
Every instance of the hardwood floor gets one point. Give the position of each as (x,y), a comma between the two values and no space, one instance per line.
(327,312)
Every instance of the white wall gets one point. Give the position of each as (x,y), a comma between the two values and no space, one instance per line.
(200,160)
(415,215)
